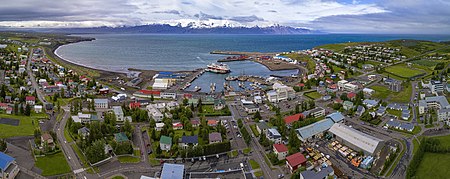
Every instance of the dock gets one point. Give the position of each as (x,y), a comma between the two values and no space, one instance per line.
(220,52)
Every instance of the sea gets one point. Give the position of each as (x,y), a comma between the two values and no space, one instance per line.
(168,52)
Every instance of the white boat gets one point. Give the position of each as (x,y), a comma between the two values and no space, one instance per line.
(197,88)
(218,68)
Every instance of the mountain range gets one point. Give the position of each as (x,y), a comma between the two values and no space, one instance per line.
(190,28)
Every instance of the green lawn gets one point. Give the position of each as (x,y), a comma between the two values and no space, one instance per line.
(427,63)
(247,150)
(67,136)
(403,71)
(381,92)
(259,173)
(445,140)
(434,165)
(53,164)
(416,144)
(254,164)
(233,153)
(254,130)
(313,95)
(25,128)
(118,177)
(303,58)
(129,159)
(208,110)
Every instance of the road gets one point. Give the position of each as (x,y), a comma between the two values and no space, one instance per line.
(33,79)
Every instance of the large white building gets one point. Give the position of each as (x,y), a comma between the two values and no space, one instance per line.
(436,87)
(434,102)
(280,92)
(101,103)
(118,112)
(355,139)
(154,113)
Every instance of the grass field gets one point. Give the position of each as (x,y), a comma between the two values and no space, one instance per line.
(445,140)
(313,95)
(247,150)
(434,165)
(403,96)
(259,173)
(53,164)
(403,71)
(254,164)
(128,159)
(254,130)
(26,126)
(340,47)
(303,58)
(427,63)
(381,92)
(208,110)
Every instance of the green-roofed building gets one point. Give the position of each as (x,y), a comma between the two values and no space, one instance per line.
(165,143)
(120,137)
(209,100)
(193,101)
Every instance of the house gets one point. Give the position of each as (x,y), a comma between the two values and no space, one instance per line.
(118,112)
(165,143)
(381,110)
(280,150)
(436,87)
(154,113)
(351,95)
(9,110)
(38,108)
(219,104)
(195,123)
(262,127)
(30,100)
(316,112)
(273,135)
(84,118)
(172,171)
(251,108)
(368,91)
(294,161)
(215,137)
(323,173)
(168,95)
(3,106)
(257,99)
(348,105)
(212,122)
(360,110)
(288,120)
(187,141)
(134,105)
(46,138)
(177,126)
(101,103)
(83,132)
(370,103)
(8,167)
(399,125)
(120,137)
(159,126)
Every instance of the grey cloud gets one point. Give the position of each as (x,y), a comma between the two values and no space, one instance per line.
(168,12)
(252,18)
(272,11)
(203,16)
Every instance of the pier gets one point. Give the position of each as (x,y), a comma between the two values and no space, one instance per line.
(220,52)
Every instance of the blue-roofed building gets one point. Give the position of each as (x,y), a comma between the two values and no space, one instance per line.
(314,130)
(274,136)
(189,141)
(336,117)
(400,126)
(172,171)
(360,110)
(370,103)
(367,162)
(8,167)
(323,173)
(381,110)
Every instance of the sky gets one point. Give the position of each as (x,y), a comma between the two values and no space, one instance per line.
(334,16)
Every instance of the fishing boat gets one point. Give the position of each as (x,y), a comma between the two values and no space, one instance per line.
(197,88)
(218,68)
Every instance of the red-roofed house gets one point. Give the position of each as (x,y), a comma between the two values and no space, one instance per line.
(281,150)
(351,95)
(187,95)
(295,160)
(177,126)
(9,110)
(30,100)
(147,93)
(288,120)
(212,122)
(301,85)
(195,123)
(3,106)
(134,105)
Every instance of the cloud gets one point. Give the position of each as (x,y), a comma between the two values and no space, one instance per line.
(246,18)
(326,15)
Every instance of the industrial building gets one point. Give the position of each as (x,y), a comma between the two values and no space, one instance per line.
(355,139)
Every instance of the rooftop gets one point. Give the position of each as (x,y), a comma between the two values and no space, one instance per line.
(355,137)
(280,147)
(172,171)
(5,161)
(296,159)
(315,128)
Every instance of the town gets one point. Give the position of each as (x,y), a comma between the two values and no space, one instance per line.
(354,110)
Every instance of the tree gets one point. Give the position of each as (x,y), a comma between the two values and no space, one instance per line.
(3,145)
(127,128)
(257,116)
(27,110)
(96,152)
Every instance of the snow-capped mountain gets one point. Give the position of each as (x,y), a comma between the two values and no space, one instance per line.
(194,27)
